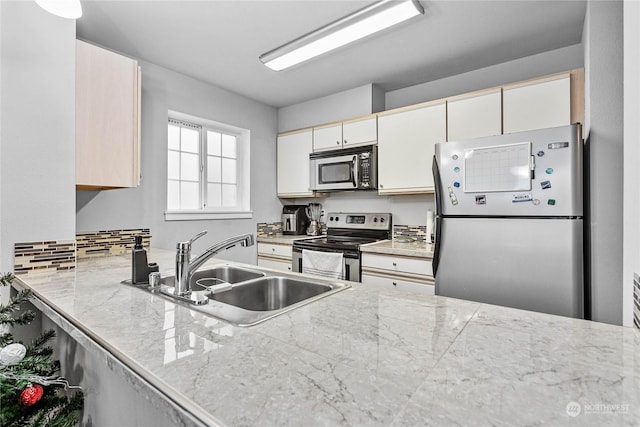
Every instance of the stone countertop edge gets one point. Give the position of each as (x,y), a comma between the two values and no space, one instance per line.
(164,398)
(391,247)
(284,239)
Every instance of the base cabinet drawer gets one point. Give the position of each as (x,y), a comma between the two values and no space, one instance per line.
(272,249)
(420,266)
(393,283)
(274,264)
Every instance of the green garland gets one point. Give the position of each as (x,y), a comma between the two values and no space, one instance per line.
(59,405)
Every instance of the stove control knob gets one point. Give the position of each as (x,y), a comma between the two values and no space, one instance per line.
(337,218)
(330,218)
(375,219)
(381,219)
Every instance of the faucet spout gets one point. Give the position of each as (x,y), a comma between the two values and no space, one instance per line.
(185,267)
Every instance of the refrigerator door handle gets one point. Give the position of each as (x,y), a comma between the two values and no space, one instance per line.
(437,183)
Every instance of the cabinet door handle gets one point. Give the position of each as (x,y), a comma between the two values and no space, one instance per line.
(394,284)
(394,264)
(345,141)
(338,142)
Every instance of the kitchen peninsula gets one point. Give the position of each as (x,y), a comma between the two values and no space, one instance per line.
(359,357)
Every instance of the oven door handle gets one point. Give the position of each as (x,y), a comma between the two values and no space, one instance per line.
(354,174)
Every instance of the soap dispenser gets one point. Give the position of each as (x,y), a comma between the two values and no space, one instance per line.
(140,269)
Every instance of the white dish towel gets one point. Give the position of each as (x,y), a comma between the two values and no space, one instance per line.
(328,264)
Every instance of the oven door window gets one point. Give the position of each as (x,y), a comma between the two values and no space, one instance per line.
(335,173)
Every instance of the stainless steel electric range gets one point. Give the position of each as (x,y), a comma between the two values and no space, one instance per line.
(345,233)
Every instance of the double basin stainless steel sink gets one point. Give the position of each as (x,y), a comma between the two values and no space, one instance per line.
(246,296)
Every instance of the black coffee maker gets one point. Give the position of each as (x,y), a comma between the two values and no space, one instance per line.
(294,219)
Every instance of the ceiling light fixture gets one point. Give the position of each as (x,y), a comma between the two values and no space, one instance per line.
(364,22)
(70,9)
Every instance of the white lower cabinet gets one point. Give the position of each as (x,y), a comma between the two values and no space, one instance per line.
(390,282)
(275,264)
(275,255)
(411,274)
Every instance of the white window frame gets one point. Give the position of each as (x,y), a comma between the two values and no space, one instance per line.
(242,209)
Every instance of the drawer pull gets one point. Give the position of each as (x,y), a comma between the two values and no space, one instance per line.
(394,264)
(395,284)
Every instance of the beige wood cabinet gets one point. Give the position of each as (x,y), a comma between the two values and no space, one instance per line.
(107,119)
(398,272)
(293,164)
(406,141)
(474,115)
(275,255)
(345,134)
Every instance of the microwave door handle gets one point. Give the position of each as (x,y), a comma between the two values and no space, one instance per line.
(354,175)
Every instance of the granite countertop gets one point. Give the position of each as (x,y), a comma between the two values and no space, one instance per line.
(359,357)
(420,249)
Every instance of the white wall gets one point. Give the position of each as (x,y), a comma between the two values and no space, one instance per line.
(631,211)
(164,90)
(604,136)
(550,62)
(37,125)
(354,102)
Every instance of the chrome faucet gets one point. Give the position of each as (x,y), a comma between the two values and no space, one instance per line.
(185,267)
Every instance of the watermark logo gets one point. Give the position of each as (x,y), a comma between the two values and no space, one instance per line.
(573,409)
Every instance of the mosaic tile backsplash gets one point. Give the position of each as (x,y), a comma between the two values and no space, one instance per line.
(62,255)
(415,232)
(269,229)
(32,256)
(110,242)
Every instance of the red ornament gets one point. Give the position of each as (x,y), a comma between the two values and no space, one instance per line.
(31,395)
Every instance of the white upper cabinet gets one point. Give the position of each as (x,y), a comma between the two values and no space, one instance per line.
(475,115)
(293,164)
(327,137)
(107,119)
(406,141)
(537,105)
(346,134)
(360,132)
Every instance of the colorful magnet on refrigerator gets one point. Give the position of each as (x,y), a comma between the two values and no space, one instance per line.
(481,199)
(456,184)
(551,202)
(456,169)
(545,185)
(549,171)
(540,153)
(452,196)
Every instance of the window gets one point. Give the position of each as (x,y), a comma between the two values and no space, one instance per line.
(207,169)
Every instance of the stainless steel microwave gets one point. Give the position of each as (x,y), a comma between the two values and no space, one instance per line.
(347,169)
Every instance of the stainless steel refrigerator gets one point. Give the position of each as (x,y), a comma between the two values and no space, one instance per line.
(509,220)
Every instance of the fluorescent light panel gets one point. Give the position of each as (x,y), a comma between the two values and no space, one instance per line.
(360,24)
(70,9)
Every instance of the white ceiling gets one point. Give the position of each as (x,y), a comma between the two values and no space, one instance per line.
(219,41)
